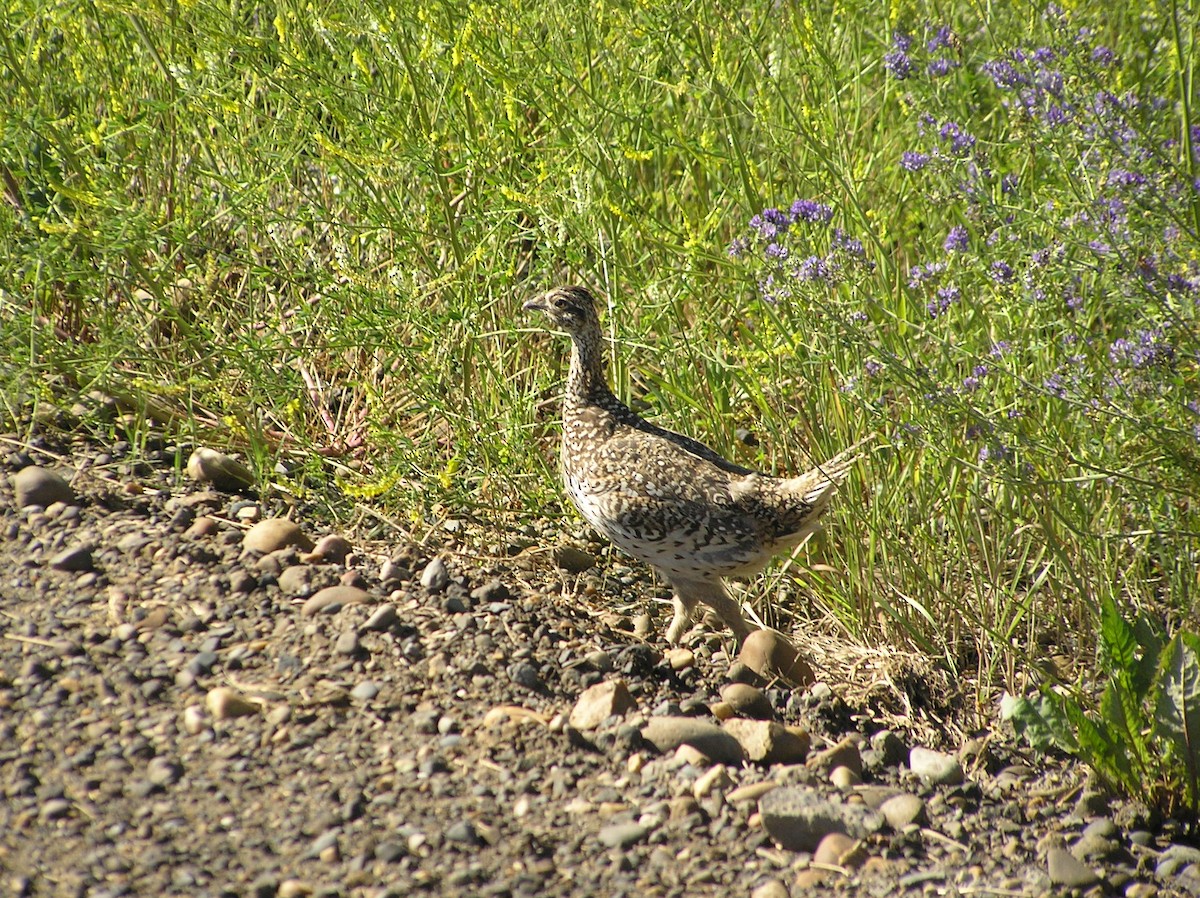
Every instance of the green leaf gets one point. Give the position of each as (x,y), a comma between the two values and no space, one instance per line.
(1177,714)
(1040,719)
(1118,643)
(1150,638)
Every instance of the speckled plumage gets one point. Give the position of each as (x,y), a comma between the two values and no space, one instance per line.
(664,498)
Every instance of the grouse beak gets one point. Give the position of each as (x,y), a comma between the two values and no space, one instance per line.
(537,304)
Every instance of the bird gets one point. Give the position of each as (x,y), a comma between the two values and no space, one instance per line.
(666,499)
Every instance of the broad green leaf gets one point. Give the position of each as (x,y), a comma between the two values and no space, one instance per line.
(1178,708)
(1040,720)
(1150,638)
(1118,644)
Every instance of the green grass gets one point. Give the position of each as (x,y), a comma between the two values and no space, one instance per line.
(357,199)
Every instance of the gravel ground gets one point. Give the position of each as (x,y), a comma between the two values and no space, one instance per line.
(195,702)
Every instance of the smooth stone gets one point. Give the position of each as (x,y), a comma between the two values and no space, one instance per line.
(274,534)
(772,888)
(935,767)
(668,733)
(681,658)
(194,720)
(74,559)
(843,754)
(296,580)
(797,818)
(767,742)
(600,702)
(573,560)
(622,835)
(54,809)
(462,831)
(844,778)
(201,527)
(903,810)
(40,486)
(715,779)
(770,655)
(1067,870)
(333,598)
(347,643)
(750,792)
(1141,890)
(381,618)
(223,703)
(331,548)
(435,577)
(525,674)
(163,772)
(217,468)
(1174,858)
(747,701)
(838,849)
(890,746)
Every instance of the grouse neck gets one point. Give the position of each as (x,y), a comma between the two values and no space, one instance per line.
(585,379)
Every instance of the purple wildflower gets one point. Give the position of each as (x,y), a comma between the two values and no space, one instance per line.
(1103,56)
(738,246)
(941,67)
(1002,272)
(776,251)
(957,240)
(1008,184)
(918,275)
(946,297)
(1055,387)
(872,367)
(911,161)
(814,268)
(961,141)
(897,62)
(811,211)
(847,244)
(1150,349)
(1000,349)
(1004,74)
(970,383)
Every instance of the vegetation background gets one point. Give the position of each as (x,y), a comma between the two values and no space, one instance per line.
(305,231)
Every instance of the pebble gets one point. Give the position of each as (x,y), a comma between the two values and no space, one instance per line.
(838,849)
(844,778)
(681,658)
(1067,870)
(331,549)
(600,702)
(935,768)
(772,888)
(714,780)
(622,835)
(223,702)
(525,674)
(274,534)
(767,742)
(668,733)
(194,720)
(770,655)
(382,618)
(1174,859)
(1141,890)
(750,792)
(435,577)
(54,809)
(747,701)
(903,810)
(41,486)
(294,888)
(296,580)
(573,560)
(74,559)
(225,473)
(334,598)
(797,818)
(163,772)
(462,831)
(347,643)
(843,754)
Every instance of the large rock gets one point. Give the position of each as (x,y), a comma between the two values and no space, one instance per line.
(334,598)
(600,702)
(41,486)
(767,742)
(770,655)
(797,818)
(274,534)
(217,468)
(668,733)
